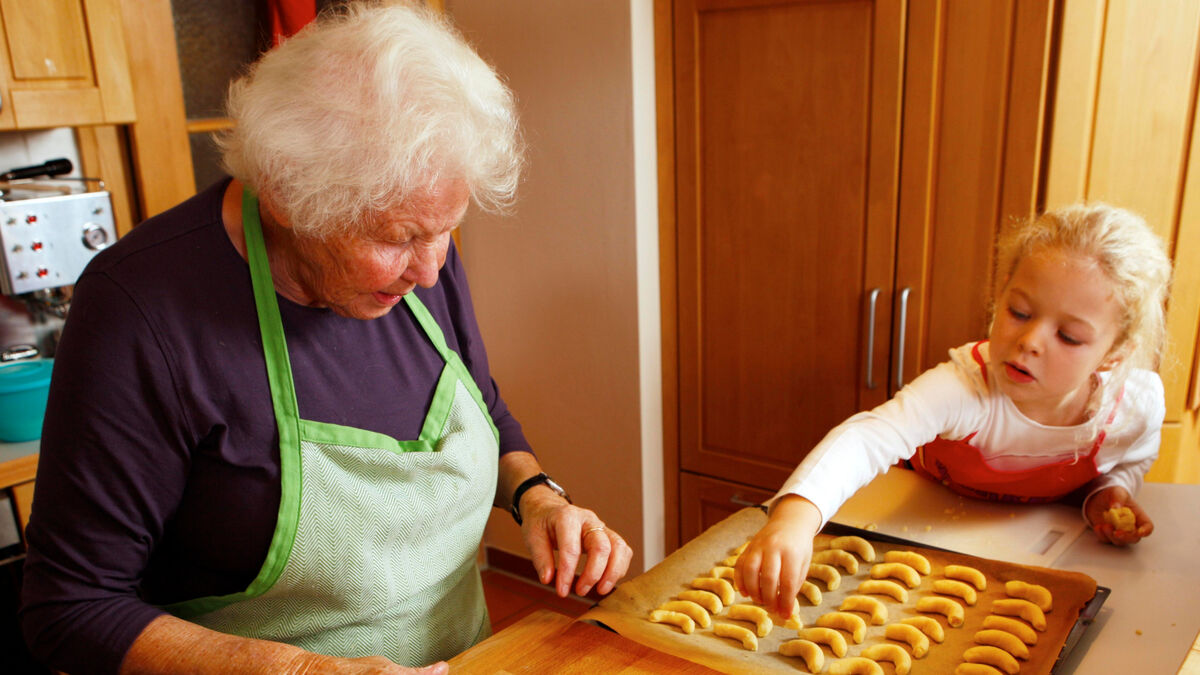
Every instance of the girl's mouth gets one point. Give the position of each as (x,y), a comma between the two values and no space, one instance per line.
(1016,373)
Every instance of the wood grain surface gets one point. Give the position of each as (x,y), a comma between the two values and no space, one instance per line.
(548,642)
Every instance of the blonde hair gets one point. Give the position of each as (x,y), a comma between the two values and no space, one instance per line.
(1130,255)
(373,104)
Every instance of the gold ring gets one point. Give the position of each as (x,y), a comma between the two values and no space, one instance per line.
(591,530)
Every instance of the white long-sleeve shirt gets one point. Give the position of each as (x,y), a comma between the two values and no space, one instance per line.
(953,401)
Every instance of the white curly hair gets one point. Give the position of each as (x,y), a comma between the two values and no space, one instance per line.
(373,104)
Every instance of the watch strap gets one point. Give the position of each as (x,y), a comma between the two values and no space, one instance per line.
(533,481)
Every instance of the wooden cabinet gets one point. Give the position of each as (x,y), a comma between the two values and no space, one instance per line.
(1126,131)
(840,170)
(63,63)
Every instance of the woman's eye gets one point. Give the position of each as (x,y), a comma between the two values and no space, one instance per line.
(1068,339)
(1017,314)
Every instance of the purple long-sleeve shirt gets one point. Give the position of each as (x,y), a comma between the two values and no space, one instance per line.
(158,479)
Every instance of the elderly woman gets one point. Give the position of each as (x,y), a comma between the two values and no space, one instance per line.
(272,440)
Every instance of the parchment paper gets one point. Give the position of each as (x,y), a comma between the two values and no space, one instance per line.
(627,610)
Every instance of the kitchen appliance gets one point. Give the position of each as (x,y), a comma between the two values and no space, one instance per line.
(50,228)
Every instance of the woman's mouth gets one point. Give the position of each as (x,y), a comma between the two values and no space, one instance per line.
(386,299)
(1016,373)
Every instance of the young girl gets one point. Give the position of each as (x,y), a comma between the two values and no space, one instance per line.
(1061,398)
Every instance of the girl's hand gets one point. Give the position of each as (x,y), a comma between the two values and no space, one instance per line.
(775,562)
(1112,498)
(551,524)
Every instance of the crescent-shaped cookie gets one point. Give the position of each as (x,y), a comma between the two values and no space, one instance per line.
(927,625)
(825,636)
(868,605)
(855,665)
(1004,640)
(1022,608)
(1009,625)
(896,570)
(959,589)
(968,574)
(722,588)
(992,656)
(889,652)
(757,615)
(855,545)
(838,557)
(851,623)
(1038,595)
(911,558)
(814,658)
(694,611)
(884,587)
(736,632)
(908,633)
(706,599)
(826,573)
(945,606)
(683,621)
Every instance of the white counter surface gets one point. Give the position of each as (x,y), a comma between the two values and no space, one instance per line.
(1149,622)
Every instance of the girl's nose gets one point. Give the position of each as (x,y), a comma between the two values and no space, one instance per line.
(1030,339)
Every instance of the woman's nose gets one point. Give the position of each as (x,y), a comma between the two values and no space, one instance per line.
(424,265)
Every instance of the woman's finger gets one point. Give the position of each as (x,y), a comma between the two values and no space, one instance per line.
(747,572)
(541,550)
(567,531)
(768,580)
(618,564)
(598,547)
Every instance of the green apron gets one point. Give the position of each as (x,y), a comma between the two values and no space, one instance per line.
(374,550)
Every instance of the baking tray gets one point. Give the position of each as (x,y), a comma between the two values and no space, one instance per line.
(625,610)
(1086,616)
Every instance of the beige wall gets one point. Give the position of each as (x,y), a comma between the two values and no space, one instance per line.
(568,319)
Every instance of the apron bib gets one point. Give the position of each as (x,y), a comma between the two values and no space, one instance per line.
(961,466)
(375,545)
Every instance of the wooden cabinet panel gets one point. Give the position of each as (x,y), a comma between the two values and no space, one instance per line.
(786,126)
(63,56)
(1125,132)
(976,80)
(63,63)
(706,501)
(23,501)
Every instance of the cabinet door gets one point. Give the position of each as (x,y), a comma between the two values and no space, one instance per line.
(974,111)
(64,64)
(707,501)
(787,126)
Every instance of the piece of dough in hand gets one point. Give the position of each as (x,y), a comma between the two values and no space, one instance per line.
(1121,518)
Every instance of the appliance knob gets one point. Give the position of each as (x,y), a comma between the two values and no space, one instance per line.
(95,237)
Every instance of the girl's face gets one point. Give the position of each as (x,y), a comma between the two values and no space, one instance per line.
(1056,321)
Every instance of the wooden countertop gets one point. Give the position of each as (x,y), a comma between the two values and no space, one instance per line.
(548,642)
(18,463)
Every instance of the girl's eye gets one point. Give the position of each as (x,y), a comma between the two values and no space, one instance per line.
(1017,314)
(1068,339)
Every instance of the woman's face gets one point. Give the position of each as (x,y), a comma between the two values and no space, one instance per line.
(364,275)
(1056,321)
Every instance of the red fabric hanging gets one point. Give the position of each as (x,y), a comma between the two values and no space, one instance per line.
(287,17)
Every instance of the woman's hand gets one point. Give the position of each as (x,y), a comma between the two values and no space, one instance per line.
(775,563)
(1111,498)
(550,524)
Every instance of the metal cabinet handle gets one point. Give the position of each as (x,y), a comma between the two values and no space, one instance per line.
(872,300)
(900,342)
(737,499)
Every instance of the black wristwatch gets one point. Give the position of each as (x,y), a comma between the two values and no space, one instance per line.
(540,479)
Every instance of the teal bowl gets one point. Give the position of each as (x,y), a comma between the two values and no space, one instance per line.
(24,386)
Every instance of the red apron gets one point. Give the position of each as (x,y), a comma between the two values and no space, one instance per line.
(961,466)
